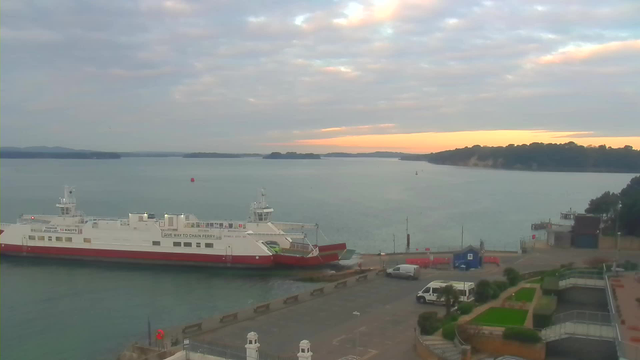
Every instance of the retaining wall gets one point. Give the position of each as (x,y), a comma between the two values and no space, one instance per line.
(497,346)
(215,322)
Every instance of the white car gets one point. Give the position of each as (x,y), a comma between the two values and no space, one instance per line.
(405,272)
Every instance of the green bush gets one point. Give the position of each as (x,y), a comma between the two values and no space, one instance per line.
(524,335)
(465,308)
(429,323)
(484,291)
(512,275)
(500,285)
(543,312)
(449,331)
(451,318)
(495,292)
(629,265)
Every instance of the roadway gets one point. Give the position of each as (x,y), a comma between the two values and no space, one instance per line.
(388,313)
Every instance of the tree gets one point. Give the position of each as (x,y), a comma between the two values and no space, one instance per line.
(450,296)
(605,205)
(630,207)
(484,291)
(512,275)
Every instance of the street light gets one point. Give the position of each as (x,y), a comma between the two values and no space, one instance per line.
(357,332)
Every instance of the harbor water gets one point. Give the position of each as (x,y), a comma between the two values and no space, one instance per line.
(59,309)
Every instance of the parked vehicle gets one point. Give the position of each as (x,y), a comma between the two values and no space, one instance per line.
(405,272)
(429,294)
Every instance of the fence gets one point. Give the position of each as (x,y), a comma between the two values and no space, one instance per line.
(234,352)
(586,317)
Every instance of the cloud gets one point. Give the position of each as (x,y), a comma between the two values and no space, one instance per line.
(255,72)
(580,52)
(140,73)
(437,141)
(30,35)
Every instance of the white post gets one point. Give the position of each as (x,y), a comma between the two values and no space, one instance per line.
(305,350)
(252,346)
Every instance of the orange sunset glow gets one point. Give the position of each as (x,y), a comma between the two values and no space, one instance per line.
(438,141)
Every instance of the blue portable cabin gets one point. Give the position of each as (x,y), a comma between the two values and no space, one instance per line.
(469,258)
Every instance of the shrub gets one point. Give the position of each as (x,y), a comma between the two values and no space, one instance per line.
(524,335)
(429,323)
(629,265)
(484,291)
(465,308)
(512,275)
(543,311)
(449,331)
(451,318)
(500,285)
(495,293)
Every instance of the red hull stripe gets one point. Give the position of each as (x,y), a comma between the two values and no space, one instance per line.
(332,247)
(304,261)
(265,260)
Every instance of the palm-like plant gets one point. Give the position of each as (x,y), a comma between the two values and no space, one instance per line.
(449,295)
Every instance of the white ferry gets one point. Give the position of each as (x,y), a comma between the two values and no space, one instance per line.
(168,239)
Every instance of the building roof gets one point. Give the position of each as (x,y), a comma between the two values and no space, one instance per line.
(586,224)
(470,247)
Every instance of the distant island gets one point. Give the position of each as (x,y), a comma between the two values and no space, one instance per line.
(291,156)
(94,155)
(539,157)
(207,155)
(376,154)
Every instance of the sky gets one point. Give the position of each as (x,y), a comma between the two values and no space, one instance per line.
(318,76)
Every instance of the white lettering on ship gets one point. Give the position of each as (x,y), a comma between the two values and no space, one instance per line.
(166,234)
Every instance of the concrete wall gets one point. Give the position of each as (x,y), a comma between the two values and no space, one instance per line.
(626,243)
(582,349)
(595,299)
(498,346)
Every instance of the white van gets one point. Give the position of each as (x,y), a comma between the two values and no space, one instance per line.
(405,272)
(430,293)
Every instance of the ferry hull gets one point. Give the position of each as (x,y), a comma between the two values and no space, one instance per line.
(164,258)
(144,257)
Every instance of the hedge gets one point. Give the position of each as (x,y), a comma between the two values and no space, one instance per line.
(465,308)
(449,331)
(543,311)
(500,285)
(523,335)
(429,322)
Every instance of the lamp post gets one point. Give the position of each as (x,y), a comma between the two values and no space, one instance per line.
(394,243)
(357,333)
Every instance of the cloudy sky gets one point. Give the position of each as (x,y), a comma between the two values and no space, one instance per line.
(235,75)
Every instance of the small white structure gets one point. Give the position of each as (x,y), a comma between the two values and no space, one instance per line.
(252,346)
(305,350)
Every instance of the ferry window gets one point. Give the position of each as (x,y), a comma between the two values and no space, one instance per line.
(87,240)
(50,238)
(208,245)
(67,239)
(58,238)
(187,244)
(32,237)
(155,243)
(198,245)
(177,244)
(41,237)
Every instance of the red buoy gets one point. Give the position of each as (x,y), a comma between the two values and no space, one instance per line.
(159,334)
(193,179)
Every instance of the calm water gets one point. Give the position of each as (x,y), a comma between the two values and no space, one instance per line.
(65,310)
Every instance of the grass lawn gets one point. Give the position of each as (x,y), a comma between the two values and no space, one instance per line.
(524,294)
(496,316)
(534,281)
